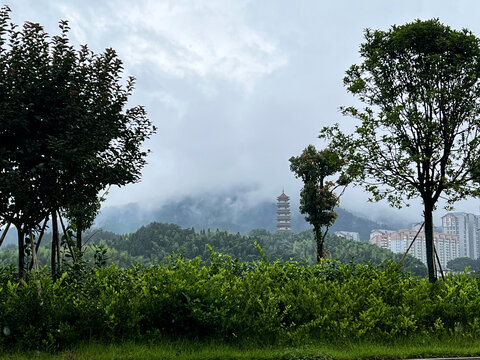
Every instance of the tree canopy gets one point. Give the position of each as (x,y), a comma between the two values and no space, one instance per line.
(155,242)
(317,197)
(65,132)
(419,131)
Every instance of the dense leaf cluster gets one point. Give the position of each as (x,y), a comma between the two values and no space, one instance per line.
(418,134)
(317,197)
(460,264)
(262,302)
(66,132)
(155,242)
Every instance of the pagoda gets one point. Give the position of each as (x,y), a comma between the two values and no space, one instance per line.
(283,213)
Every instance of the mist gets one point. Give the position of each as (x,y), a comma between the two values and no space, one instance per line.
(238,87)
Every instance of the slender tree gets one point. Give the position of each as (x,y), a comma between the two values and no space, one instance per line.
(317,197)
(65,132)
(419,132)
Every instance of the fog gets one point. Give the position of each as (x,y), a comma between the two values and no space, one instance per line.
(237,87)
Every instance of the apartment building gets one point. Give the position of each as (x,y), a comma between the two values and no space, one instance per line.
(350,235)
(379,237)
(466,227)
(398,242)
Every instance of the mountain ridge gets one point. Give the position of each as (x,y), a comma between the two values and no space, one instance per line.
(228,212)
(231,213)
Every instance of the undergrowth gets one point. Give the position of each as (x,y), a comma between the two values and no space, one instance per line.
(261,303)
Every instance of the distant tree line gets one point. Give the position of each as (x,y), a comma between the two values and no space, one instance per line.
(155,242)
(463,263)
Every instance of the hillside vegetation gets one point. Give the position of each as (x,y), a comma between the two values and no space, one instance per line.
(227,211)
(155,242)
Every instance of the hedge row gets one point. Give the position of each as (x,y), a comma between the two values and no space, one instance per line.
(262,302)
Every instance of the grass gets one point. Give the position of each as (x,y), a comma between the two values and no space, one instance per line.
(406,348)
(169,351)
(180,350)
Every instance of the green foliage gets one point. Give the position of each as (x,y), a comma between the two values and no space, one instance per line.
(463,263)
(317,197)
(155,242)
(65,131)
(420,81)
(255,302)
(349,251)
(418,134)
(411,348)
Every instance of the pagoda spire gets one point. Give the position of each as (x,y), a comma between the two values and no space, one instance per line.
(283,212)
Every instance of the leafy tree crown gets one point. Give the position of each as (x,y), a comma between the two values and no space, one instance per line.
(419,131)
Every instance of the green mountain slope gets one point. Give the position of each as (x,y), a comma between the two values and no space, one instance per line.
(232,212)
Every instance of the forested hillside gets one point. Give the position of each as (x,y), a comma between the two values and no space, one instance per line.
(226,212)
(231,212)
(157,241)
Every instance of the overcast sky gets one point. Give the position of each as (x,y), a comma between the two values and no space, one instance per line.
(237,87)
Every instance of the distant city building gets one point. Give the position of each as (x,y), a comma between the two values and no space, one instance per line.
(446,245)
(466,227)
(379,237)
(350,235)
(283,213)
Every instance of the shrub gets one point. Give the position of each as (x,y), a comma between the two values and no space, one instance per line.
(279,302)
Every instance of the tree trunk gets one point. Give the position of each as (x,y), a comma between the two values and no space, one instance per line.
(428,214)
(34,251)
(4,233)
(79,240)
(40,236)
(39,240)
(54,244)
(21,252)
(318,239)
(67,239)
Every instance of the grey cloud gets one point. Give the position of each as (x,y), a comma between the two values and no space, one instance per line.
(236,87)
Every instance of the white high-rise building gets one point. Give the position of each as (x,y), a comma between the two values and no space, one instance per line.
(446,245)
(350,235)
(379,237)
(466,227)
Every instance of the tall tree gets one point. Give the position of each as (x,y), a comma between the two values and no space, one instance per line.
(65,132)
(419,132)
(317,197)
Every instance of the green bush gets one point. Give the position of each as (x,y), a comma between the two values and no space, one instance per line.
(262,302)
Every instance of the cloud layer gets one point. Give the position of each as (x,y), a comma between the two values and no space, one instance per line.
(236,87)
(205,40)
